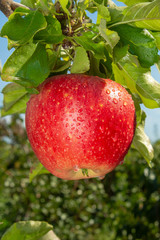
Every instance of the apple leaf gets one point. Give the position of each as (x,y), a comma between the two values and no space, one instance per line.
(111,37)
(28,65)
(143,15)
(141,43)
(49,236)
(130,74)
(30,230)
(26,23)
(142,143)
(38,170)
(80,62)
(52,33)
(103,12)
(64,6)
(29,3)
(156,35)
(15,99)
(131,2)
(96,48)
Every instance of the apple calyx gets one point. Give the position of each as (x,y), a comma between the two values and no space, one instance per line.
(85,172)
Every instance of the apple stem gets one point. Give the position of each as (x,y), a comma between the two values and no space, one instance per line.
(85,172)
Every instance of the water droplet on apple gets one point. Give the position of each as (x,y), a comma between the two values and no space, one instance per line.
(80,110)
(108,91)
(80,119)
(68,138)
(115,100)
(124,104)
(78,137)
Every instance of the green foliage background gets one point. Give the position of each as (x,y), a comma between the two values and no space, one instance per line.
(125,205)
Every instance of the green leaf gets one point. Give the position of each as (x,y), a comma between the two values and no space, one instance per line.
(89,45)
(81,62)
(26,23)
(143,15)
(64,6)
(28,65)
(52,34)
(49,236)
(29,3)
(111,37)
(104,13)
(141,43)
(27,230)
(15,99)
(129,73)
(142,143)
(156,35)
(131,2)
(38,170)
(158,64)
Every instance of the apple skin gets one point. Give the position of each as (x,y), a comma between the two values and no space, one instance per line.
(80,126)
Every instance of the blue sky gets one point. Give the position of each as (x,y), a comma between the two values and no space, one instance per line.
(153,115)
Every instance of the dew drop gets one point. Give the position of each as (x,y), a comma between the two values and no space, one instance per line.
(108,91)
(67,125)
(68,138)
(121,108)
(119,94)
(80,119)
(124,104)
(80,110)
(115,100)
(78,137)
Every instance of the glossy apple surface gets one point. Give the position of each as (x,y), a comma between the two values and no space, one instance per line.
(80,126)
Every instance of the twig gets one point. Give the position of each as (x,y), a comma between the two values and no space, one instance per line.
(8,6)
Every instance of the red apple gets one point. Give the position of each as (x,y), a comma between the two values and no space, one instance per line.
(80,126)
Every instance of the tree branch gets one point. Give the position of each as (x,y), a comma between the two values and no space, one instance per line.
(8,6)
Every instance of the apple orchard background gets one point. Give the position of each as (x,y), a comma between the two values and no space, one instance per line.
(123,206)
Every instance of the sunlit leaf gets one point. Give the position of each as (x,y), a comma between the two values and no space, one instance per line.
(26,23)
(27,230)
(140,42)
(131,2)
(143,15)
(53,32)
(103,12)
(28,65)
(111,37)
(157,38)
(129,73)
(64,6)
(81,62)
(15,99)
(89,45)
(142,143)
(38,170)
